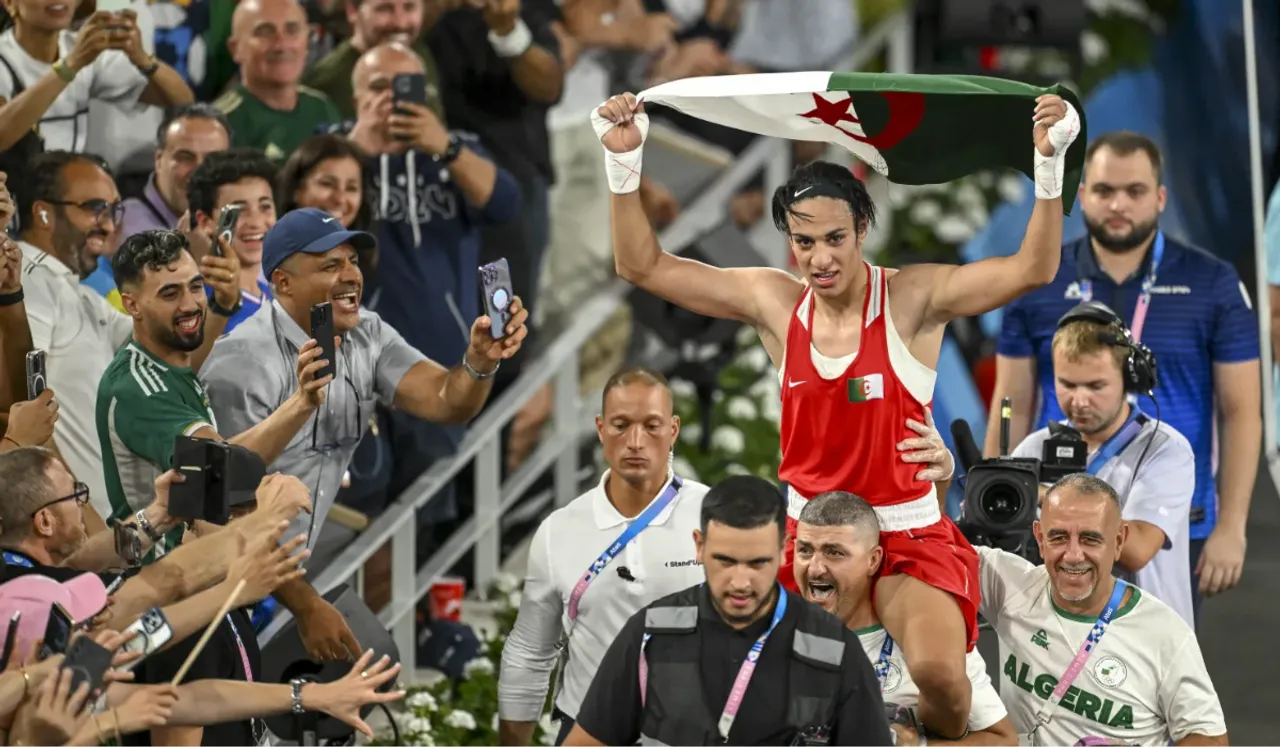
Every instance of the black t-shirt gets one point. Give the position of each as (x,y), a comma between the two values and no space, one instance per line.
(612,713)
(221,659)
(480,94)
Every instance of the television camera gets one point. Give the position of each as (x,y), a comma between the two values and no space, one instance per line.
(1002,494)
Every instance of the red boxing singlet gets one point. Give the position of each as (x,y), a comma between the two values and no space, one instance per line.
(843,433)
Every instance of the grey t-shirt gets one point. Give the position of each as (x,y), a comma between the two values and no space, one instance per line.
(252,371)
(1159,494)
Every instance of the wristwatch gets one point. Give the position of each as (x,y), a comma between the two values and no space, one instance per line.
(451,153)
(297,684)
(128,543)
(221,310)
(145,525)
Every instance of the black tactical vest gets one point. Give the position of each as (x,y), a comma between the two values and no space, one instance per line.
(675,710)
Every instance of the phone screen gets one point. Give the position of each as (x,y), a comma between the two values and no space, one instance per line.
(57,633)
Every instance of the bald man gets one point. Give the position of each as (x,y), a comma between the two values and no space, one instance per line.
(1143,683)
(270,109)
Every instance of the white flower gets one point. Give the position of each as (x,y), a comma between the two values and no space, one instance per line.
(728,439)
(925,211)
(683,389)
(1092,47)
(741,408)
(422,701)
(507,583)
(478,665)
(417,725)
(460,720)
(755,358)
(747,335)
(953,229)
(977,216)
(690,433)
(549,729)
(683,468)
(771,409)
(736,469)
(968,196)
(513,599)
(1012,187)
(986,180)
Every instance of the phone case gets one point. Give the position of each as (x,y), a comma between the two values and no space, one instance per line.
(322,332)
(227,220)
(57,632)
(151,632)
(35,373)
(411,87)
(495,286)
(9,637)
(88,662)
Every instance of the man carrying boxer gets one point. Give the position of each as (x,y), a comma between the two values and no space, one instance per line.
(861,366)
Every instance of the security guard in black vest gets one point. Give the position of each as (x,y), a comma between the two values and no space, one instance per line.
(735,660)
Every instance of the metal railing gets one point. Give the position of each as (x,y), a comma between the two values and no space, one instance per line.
(558,364)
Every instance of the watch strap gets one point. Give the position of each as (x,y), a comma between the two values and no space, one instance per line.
(296,684)
(221,310)
(451,153)
(144,524)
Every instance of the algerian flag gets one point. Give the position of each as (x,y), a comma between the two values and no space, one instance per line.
(914,129)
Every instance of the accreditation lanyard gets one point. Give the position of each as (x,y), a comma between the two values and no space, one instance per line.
(882,664)
(1144,297)
(1132,427)
(1082,656)
(255,725)
(641,523)
(16,559)
(748,668)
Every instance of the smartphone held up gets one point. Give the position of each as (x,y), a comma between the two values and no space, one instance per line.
(495,288)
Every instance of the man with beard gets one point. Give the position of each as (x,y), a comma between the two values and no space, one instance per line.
(838,555)
(150,395)
(70,209)
(1146,682)
(1188,307)
(1148,462)
(374,22)
(682,670)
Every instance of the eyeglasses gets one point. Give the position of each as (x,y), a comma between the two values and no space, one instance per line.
(346,440)
(80,495)
(99,208)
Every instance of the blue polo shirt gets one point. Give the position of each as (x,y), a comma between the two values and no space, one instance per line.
(1200,315)
(249,304)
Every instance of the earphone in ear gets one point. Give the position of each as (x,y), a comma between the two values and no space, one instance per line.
(44,216)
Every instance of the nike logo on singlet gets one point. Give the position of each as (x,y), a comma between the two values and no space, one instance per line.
(794,383)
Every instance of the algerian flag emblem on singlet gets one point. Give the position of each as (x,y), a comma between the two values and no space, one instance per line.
(867,387)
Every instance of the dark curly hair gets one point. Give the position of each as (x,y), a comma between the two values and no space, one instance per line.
(148,250)
(823,179)
(222,168)
(314,151)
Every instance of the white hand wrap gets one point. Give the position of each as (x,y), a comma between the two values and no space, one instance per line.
(1049,169)
(622,169)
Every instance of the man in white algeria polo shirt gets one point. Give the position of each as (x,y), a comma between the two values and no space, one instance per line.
(1150,465)
(638,429)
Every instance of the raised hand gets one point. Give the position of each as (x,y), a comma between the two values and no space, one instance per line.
(313,390)
(31,422)
(344,698)
(621,123)
(928,449)
(1056,124)
(267,564)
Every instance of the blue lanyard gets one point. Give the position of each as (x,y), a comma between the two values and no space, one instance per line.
(641,523)
(1118,442)
(11,558)
(1082,656)
(1144,297)
(748,668)
(882,664)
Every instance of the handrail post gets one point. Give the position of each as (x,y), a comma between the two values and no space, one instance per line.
(900,52)
(404,589)
(488,477)
(565,413)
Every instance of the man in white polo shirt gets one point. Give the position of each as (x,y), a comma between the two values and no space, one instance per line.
(1090,659)
(1096,365)
(838,557)
(576,598)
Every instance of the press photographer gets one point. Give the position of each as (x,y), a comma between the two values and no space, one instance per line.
(1098,372)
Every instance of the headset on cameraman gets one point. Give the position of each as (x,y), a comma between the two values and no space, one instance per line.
(1138,371)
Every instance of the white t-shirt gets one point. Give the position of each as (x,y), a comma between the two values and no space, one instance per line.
(1145,682)
(65,124)
(80,332)
(986,708)
(660,561)
(1159,493)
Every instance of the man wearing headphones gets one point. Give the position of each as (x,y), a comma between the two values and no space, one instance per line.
(1096,366)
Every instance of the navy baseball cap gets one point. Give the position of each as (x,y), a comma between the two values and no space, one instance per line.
(308,231)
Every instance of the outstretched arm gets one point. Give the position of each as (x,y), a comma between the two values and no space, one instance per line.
(748,295)
(979,287)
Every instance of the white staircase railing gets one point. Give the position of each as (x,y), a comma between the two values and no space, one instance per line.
(559,365)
